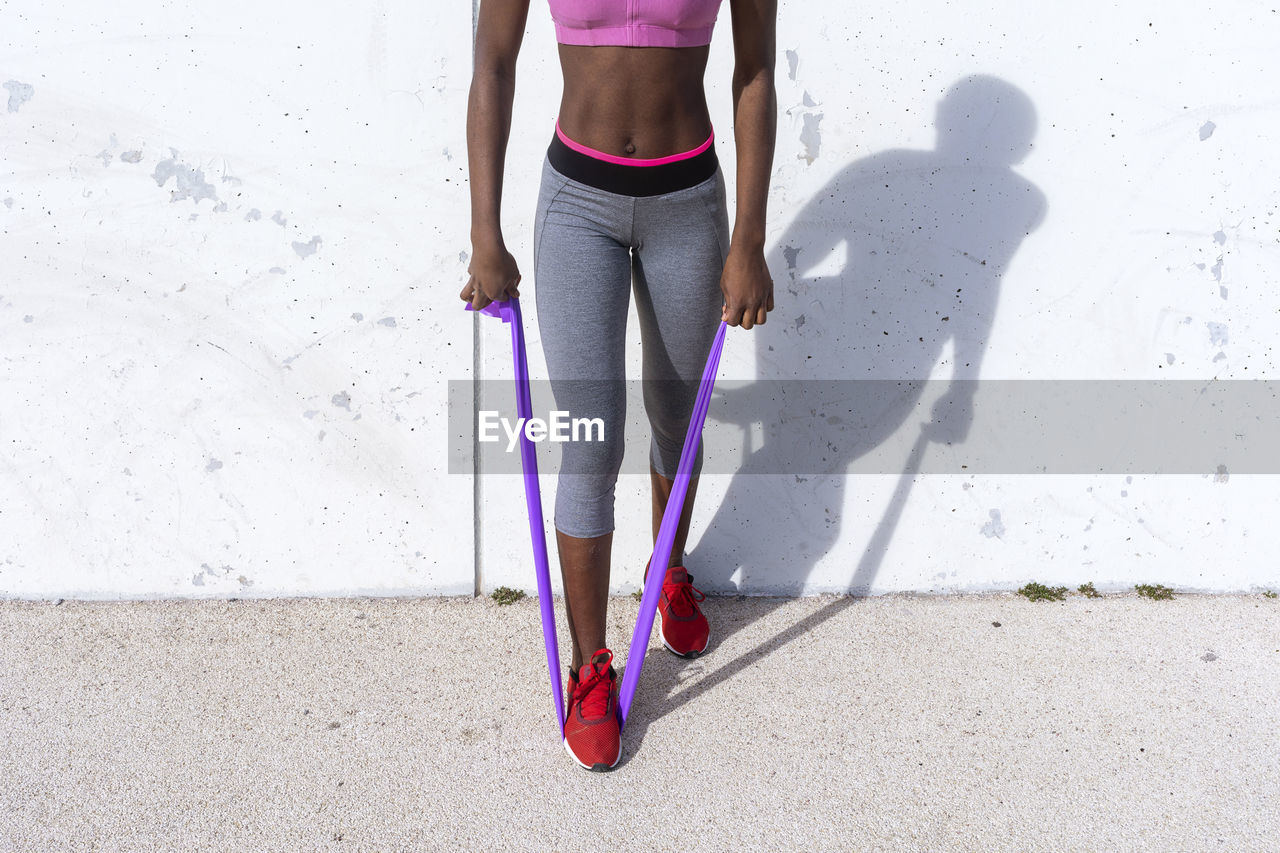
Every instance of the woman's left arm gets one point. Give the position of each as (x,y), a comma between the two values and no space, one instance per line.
(747,286)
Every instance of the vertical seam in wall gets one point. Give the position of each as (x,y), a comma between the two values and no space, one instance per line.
(477,386)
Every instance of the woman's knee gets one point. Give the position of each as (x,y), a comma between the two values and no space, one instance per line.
(584,506)
(586,483)
(664,456)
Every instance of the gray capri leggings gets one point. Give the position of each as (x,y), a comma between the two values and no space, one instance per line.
(593,246)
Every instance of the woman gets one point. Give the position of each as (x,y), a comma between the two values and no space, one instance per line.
(631,195)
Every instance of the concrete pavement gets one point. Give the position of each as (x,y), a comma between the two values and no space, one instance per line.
(889,723)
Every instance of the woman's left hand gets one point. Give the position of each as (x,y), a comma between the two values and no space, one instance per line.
(747,288)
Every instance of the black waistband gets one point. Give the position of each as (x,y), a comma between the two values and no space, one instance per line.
(632,180)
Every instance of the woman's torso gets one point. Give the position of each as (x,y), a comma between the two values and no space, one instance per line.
(640,102)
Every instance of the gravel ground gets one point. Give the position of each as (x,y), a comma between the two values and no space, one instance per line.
(888,723)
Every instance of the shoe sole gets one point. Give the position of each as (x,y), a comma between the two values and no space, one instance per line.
(687,655)
(595,768)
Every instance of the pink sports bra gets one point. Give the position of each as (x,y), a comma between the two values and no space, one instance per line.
(635,23)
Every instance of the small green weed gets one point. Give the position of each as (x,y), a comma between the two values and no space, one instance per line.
(1039,592)
(1156,592)
(506,595)
(638,594)
(1088,590)
(1269,593)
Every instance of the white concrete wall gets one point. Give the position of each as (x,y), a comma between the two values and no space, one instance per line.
(234,242)
(227,235)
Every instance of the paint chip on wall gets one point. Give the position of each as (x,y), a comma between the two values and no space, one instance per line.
(993,529)
(1217,334)
(188,181)
(308,248)
(810,137)
(19,93)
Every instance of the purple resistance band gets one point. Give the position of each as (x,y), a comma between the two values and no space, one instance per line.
(667,531)
(509,312)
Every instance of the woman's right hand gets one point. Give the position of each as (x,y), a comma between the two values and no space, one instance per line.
(494,276)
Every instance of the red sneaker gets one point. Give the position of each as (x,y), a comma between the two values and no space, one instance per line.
(591,731)
(684,629)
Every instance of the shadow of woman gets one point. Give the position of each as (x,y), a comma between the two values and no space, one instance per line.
(927,236)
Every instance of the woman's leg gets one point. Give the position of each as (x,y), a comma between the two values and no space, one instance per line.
(661,493)
(684,239)
(584,567)
(582,287)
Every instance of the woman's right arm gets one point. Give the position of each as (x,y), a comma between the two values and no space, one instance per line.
(499,31)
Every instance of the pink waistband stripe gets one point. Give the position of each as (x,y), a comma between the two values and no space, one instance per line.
(633,161)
